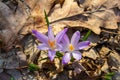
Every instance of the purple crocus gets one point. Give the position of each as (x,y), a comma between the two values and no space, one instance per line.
(50,43)
(71,48)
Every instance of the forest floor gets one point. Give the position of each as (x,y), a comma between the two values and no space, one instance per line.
(21,60)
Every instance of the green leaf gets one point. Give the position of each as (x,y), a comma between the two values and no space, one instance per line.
(58,54)
(46,18)
(108,76)
(12,78)
(87,35)
(33,67)
(72,59)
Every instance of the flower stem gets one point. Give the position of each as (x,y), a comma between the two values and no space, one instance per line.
(87,35)
(46,18)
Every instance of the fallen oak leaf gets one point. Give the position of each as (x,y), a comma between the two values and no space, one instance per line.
(107,18)
(13,22)
(72,17)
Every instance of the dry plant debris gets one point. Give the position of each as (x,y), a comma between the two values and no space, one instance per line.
(18,46)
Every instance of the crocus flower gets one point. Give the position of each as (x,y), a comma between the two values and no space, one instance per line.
(71,48)
(50,42)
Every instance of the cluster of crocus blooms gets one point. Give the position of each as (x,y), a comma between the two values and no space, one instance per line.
(61,43)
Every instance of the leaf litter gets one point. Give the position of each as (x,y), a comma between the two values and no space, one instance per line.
(100,16)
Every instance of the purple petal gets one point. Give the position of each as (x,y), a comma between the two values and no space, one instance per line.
(59,46)
(66,58)
(83,44)
(43,47)
(50,34)
(77,55)
(75,38)
(43,38)
(66,40)
(65,43)
(60,35)
(51,54)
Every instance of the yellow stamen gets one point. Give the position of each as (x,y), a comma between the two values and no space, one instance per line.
(51,44)
(71,48)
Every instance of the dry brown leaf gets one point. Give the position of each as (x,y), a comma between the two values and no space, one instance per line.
(28,15)
(117,12)
(66,10)
(58,13)
(45,5)
(6,26)
(92,4)
(12,22)
(38,14)
(108,17)
(36,21)
(70,15)
(111,4)
(105,67)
